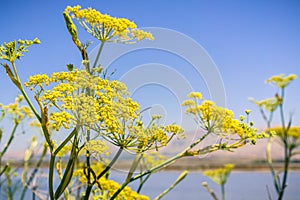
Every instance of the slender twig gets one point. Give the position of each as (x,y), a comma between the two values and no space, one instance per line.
(108,167)
(134,165)
(178,180)
(142,183)
(63,144)
(24,93)
(3,171)
(270,163)
(223,191)
(210,191)
(269,194)
(34,172)
(98,54)
(9,140)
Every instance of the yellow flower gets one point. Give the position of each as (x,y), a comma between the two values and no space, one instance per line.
(281,80)
(14,50)
(219,175)
(107,28)
(100,105)
(175,129)
(196,95)
(293,132)
(17,112)
(247,111)
(96,147)
(61,119)
(219,120)
(37,80)
(270,104)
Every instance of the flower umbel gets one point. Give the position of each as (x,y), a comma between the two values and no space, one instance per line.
(17,112)
(281,80)
(219,175)
(107,28)
(15,49)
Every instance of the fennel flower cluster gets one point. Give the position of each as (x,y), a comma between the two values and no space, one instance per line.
(218,120)
(100,105)
(281,80)
(152,136)
(94,103)
(16,111)
(15,49)
(292,134)
(219,175)
(269,104)
(106,28)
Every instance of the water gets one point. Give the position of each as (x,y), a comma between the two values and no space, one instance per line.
(240,186)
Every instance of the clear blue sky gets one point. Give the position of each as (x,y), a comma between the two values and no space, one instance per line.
(248,41)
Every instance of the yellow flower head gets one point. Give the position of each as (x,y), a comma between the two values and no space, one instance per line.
(281,80)
(15,49)
(293,132)
(269,104)
(196,95)
(107,28)
(16,111)
(219,175)
(218,120)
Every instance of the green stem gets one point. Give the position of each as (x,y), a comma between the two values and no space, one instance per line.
(63,144)
(134,165)
(34,172)
(3,171)
(88,160)
(15,71)
(285,173)
(142,183)
(98,54)
(108,167)
(68,173)
(178,180)
(223,191)
(210,191)
(9,140)
(89,183)
(25,94)
(286,149)
(269,159)
(111,163)
(282,113)
(51,170)
(9,193)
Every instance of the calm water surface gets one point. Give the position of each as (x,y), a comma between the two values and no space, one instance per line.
(240,186)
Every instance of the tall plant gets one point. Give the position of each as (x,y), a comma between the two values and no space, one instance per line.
(92,113)
(287,135)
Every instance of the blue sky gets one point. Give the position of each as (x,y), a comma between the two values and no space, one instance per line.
(248,41)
